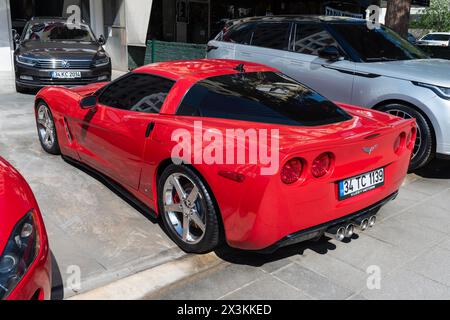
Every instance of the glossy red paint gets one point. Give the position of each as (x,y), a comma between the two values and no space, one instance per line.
(257,211)
(16,200)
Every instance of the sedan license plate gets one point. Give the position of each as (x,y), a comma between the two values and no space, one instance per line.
(360,184)
(66,74)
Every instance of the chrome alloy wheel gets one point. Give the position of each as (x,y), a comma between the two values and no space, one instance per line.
(46,127)
(184,208)
(406,115)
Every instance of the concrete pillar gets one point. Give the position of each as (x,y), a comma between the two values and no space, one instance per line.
(96,17)
(5,37)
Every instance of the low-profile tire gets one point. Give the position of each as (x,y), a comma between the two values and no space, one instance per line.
(187,210)
(424,149)
(46,129)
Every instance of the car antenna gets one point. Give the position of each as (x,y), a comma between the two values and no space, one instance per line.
(240,68)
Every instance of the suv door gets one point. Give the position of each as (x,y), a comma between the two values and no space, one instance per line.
(333,79)
(269,43)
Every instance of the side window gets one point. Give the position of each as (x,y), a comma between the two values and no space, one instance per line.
(311,38)
(240,34)
(272,35)
(137,92)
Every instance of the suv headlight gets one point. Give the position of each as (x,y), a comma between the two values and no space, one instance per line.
(20,252)
(442,92)
(26,60)
(102,61)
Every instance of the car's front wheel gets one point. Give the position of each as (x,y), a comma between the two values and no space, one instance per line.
(187,210)
(47,129)
(424,147)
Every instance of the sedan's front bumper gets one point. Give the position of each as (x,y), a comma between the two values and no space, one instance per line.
(35,78)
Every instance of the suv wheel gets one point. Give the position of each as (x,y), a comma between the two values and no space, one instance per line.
(424,148)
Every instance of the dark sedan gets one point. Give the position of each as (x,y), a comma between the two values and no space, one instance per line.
(53,52)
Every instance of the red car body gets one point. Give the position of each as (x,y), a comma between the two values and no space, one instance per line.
(16,200)
(261,211)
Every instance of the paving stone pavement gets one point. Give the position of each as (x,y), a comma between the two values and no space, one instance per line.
(409,246)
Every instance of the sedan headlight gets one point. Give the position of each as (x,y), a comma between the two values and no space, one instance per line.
(442,92)
(100,62)
(26,60)
(21,250)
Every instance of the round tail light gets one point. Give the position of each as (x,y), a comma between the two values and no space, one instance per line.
(292,171)
(399,143)
(322,165)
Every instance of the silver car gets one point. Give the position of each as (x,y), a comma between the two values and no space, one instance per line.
(346,61)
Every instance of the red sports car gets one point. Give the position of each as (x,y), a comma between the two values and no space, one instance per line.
(231,150)
(25,264)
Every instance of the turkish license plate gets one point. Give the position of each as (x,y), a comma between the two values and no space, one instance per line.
(360,184)
(66,74)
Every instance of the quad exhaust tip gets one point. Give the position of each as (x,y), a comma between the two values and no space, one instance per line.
(346,231)
(340,232)
(363,224)
(372,221)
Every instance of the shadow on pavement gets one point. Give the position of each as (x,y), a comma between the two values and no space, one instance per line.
(117,189)
(436,169)
(255,259)
(57,281)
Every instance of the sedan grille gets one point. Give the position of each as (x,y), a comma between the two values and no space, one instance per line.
(63,64)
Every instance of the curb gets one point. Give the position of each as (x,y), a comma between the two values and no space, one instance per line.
(149,282)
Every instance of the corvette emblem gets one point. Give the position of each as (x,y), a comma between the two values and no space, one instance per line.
(369,150)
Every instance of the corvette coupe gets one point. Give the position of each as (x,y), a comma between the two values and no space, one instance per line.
(25,264)
(332,166)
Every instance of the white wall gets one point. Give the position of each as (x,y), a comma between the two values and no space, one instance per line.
(5,37)
(96,14)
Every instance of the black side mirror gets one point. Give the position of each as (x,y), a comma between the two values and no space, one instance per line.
(330,53)
(88,102)
(101,40)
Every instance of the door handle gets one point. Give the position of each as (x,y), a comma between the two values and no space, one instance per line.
(149,130)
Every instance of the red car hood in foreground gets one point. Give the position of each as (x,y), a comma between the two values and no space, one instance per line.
(15,200)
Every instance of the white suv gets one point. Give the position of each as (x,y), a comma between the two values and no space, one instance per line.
(348,62)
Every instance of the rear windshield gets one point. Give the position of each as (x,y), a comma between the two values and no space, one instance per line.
(265,97)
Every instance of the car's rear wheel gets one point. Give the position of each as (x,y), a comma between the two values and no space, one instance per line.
(423,151)
(47,129)
(187,210)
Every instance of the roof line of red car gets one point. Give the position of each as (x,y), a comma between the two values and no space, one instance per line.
(200,69)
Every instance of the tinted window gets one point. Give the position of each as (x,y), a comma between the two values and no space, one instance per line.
(311,38)
(265,97)
(271,35)
(137,92)
(53,31)
(380,44)
(241,34)
(437,37)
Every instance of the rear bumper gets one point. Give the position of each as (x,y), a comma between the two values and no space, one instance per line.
(263,211)
(318,231)
(42,77)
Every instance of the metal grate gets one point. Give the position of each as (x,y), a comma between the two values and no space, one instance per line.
(63,64)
